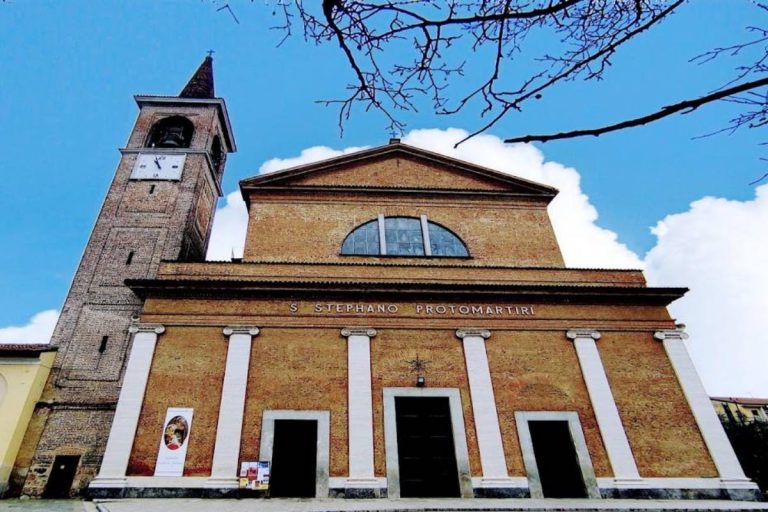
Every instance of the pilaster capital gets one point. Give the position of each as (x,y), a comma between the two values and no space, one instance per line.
(155,328)
(672,334)
(574,334)
(241,329)
(358,331)
(471,332)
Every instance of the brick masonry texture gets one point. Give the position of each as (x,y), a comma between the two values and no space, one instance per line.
(539,371)
(391,350)
(150,224)
(187,371)
(512,230)
(298,361)
(662,433)
(298,369)
(401,172)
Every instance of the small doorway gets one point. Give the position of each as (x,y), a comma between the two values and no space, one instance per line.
(426,453)
(294,459)
(61,477)
(556,460)
(297,445)
(555,455)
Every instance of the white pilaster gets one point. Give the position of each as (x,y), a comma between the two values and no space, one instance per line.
(607,414)
(486,417)
(226,451)
(360,408)
(121,436)
(720,448)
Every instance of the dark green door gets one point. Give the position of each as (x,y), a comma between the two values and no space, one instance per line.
(426,454)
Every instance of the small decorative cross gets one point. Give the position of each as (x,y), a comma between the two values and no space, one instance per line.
(210,52)
(418,365)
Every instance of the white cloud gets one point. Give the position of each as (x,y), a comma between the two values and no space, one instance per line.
(309,155)
(718,249)
(228,232)
(582,241)
(38,329)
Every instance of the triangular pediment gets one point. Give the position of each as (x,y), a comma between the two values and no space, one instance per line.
(398,166)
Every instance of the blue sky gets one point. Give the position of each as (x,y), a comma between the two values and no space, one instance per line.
(70,70)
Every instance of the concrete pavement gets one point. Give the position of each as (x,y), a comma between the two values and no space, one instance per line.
(378,505)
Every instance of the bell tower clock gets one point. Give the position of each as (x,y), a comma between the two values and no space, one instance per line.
(159,206)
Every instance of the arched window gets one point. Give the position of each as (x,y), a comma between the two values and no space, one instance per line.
(364,240)
(217,154)
(403,236)
(171,132)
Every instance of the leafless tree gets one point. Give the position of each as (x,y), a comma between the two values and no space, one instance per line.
(401,50)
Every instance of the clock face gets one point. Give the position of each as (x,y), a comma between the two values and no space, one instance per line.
(153,166)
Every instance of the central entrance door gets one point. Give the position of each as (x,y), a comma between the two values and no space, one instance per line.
(294,459)
(426,454)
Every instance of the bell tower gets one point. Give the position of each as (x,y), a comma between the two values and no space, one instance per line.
(159,206)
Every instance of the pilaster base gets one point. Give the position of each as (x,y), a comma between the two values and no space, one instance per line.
(222,482)
(358,488)
(500,487)
(629,483)
(109,482)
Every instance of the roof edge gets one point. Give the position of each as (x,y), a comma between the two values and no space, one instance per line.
(395,147)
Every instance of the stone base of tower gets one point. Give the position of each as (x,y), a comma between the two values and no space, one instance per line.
(66,432)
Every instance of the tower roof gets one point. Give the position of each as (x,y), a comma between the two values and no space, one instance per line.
(201,83)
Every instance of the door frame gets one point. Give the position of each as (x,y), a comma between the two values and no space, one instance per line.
(323,441)
(457,425)
(579,444)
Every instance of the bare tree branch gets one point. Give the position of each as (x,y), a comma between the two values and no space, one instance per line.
(401,50)
(684,107)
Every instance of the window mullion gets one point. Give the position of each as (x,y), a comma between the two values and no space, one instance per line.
(425,236)
(382,236)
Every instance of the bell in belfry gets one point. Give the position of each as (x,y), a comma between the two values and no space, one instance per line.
(171,132)
(172,137)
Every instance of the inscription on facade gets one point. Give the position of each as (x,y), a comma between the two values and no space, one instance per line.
(419,309)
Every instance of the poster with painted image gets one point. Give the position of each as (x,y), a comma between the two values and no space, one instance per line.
(254,475)
(173,442)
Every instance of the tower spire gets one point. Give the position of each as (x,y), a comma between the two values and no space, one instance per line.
(201,83)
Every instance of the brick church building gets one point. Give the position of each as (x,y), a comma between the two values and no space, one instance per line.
(401,324)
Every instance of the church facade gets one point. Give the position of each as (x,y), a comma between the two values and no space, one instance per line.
(401,324)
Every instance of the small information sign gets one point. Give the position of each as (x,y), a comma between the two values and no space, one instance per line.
(254,475)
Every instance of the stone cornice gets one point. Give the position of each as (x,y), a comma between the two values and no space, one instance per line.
(138,328)
(358,331)
(241,329)
(673,334)
(574,334)
(541,293)
(472,332)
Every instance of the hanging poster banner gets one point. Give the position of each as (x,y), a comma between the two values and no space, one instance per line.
(173,442)
(254,475)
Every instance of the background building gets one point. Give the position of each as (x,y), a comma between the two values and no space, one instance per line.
(733,409)
(23,370)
